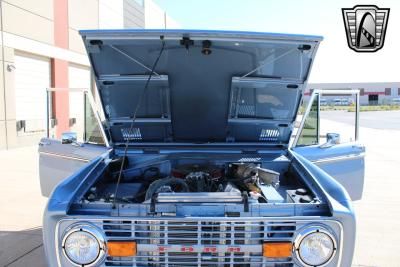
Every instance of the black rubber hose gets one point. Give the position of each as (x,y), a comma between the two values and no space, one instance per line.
(171,181)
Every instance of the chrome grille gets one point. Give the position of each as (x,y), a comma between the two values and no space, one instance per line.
(204,242)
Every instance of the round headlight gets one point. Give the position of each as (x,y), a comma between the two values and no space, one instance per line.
(83,245)
(315,246)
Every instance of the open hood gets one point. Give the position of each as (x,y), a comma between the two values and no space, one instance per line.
(208,86)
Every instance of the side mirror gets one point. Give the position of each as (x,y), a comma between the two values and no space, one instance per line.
(331,140)
(68,137)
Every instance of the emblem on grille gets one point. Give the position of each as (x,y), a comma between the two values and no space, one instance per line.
(365,27)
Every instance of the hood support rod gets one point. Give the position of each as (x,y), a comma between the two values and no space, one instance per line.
(133,59)
(268,62)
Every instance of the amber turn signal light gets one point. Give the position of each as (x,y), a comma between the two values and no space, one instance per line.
(121,249)
(277,249)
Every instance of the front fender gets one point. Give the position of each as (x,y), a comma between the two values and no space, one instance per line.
(340,205)
(59,202)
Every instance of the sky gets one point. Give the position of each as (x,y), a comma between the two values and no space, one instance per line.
(335,61)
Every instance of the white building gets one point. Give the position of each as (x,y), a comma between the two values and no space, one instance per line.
(40,47)
(370,93)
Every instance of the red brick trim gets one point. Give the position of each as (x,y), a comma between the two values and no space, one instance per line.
(59,68)
(61,23)
(59,79)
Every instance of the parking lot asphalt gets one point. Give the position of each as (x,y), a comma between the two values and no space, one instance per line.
(383,120)
(378,213)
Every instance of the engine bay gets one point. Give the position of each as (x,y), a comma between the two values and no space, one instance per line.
(203,181)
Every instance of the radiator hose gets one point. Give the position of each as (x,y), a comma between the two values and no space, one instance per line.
(160,186)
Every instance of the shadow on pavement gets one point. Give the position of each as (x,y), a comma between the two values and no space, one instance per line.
(22,248)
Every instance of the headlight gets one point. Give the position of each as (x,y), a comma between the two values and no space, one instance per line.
(83,245)
(315,246)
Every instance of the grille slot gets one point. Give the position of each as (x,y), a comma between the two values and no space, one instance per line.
(131,134)
(269,135)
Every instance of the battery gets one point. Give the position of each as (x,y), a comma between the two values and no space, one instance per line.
(271,194)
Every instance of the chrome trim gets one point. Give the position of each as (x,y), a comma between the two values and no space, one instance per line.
(89,94)
(329,92)
(303,120)
(97,115)
(201,197)
(338,158)
(355,92)
(357,133)
(57,244)
(310,230)
(64,156)
(92,230)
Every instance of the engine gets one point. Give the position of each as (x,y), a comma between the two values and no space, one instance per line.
(230,182)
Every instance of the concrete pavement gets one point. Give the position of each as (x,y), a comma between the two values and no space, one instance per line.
(378,213)
(22,248)
(21,209)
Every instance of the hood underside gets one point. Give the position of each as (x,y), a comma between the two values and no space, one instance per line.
(208,86)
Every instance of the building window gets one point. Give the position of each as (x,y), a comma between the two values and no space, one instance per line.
(388,91)
(373,99)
